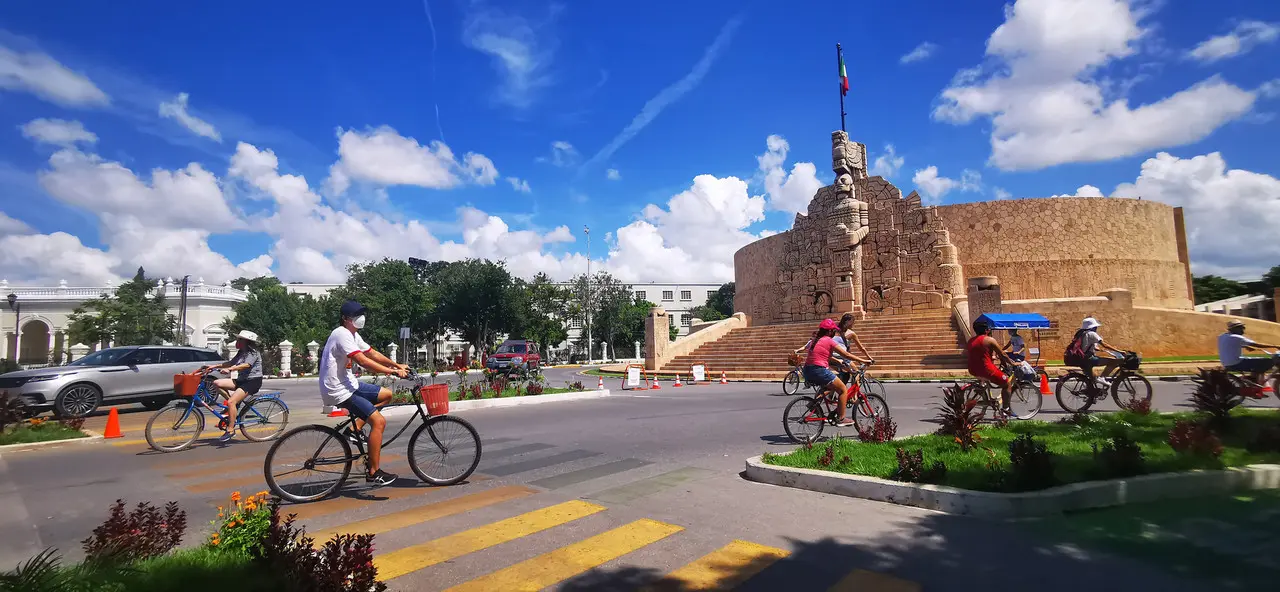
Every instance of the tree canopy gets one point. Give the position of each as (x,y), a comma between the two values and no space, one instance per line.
(129,317)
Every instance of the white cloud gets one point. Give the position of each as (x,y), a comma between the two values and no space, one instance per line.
(58,132)
(1269,89)
(613,175)
(933,187)
(561,234)
(48,258)
(1243,38)
(11,226)
(382,156)
(787,193)
(921,52)
(654,107)
(519,55)
(45,77)
(519,184)
(563,154)
(1231,215)
(1002,193)
(1046,100)
(887,164)
(177,111)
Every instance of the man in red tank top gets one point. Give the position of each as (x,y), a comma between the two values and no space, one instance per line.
(980,351)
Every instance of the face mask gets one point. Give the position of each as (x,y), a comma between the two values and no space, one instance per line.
(358,322)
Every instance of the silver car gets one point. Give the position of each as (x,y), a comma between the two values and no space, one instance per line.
(142,374)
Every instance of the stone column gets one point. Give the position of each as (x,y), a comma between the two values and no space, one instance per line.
(52,336)
(393,349)
(78,351)
(286,358)
(984,296)
(604,352)
(657,335)
(638,348)
(313,350)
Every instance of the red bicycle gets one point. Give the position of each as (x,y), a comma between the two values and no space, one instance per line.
(805,417)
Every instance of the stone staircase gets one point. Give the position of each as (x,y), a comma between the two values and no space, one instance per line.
(901,344)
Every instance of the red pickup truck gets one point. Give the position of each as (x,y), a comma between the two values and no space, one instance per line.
(517,356)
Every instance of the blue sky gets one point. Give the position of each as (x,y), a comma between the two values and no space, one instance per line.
(312,135)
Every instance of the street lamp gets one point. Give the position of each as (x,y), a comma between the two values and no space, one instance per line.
(17,326)
(587,230)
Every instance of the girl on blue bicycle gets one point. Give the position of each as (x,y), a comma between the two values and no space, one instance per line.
(248,361)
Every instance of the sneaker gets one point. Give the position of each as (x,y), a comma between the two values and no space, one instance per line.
(226,436)
(380,478)
(844,423)
(355,437)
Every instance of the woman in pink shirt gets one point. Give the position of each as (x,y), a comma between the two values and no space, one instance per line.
(817,366)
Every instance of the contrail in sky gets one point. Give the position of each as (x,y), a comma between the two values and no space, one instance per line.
(431,23)
(669,95)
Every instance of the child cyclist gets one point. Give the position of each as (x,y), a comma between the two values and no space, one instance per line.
(817,366)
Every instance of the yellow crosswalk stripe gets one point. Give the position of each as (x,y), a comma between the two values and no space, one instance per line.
(227,484)
(411,559)
(349,500)
(227,466)
(861,580)
(418,515)
(722,569)
(563,563)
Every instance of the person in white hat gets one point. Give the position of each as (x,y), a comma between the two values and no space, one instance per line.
(248,361)
(1092,342)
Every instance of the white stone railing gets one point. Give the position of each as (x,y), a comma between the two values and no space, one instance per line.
(170,291)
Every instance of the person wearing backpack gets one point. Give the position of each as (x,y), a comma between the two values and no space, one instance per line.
(1083,352)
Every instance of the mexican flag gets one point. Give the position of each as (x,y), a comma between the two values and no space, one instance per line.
(844,78)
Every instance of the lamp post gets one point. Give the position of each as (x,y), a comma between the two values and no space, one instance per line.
(17,325)
(587,230)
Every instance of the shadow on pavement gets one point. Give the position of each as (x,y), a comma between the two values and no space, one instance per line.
(936,552)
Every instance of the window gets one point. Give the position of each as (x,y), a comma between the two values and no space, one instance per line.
(145,356)
(576,323)
(686,295)
(208,356)
(668,295)
(176,356)
(686,321)
(642,295)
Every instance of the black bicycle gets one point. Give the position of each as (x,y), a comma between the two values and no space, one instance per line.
(444,450)
(1076,393)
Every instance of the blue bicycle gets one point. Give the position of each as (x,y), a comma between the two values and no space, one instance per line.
(262,417)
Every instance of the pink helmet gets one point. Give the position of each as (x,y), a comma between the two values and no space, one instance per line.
(827,325)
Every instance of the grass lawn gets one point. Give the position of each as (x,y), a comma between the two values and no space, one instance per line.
(1229,537)
(44,432)
(1071,445)
(201,570)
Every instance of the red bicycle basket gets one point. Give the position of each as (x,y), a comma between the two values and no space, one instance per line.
(186,385)
(436,396)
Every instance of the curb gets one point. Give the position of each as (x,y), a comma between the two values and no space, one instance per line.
(90,436)
(1055,500)
(398,410)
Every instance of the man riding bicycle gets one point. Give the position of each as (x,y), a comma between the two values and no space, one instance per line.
(1231,346)
(1091,341)
(981,350)
(340,388)
(817,367)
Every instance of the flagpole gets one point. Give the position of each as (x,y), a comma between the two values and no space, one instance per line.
(840,86)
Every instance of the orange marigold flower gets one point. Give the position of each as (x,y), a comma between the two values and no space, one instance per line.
(235,496)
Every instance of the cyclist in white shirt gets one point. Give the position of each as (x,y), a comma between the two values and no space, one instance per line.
(1231,346)
(340,388)
(1017,346)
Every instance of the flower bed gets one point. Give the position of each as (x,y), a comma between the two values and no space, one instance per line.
(16,428)
(1025,456)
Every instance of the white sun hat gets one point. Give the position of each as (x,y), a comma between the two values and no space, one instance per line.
(247,335)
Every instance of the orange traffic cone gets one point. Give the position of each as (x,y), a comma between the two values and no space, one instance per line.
(678,383)
(600,384)
(113,425)
(654,386)
(337,412)
(1044,384)
(723,380)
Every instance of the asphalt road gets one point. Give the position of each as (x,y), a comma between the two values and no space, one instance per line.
(639,483)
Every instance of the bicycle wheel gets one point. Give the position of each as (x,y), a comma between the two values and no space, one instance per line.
(451,450)
(981,401)
(872,386)
(1133,388)
(803,420)
(791,384)
(174,428)
(1025,400)
(864,420)
(304,452)
(1073,393)
(264,419)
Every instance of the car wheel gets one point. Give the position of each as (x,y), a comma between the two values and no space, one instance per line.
(77,400)
(156,403)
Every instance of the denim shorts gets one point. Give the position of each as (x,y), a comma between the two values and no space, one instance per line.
(1250,365)
(819,375)
(361,403)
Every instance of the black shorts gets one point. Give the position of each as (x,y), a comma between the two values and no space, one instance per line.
(250,386)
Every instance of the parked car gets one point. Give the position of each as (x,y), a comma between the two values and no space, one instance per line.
(142,374)
(516,356)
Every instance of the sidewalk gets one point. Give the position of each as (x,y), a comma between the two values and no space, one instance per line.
(1162,370)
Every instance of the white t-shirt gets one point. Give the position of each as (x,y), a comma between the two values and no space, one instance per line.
(1089,341)
(1231,348)
(337,381)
